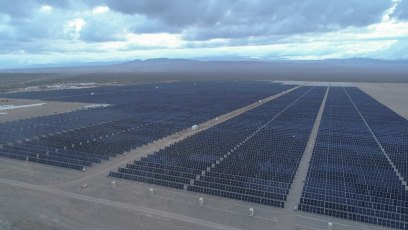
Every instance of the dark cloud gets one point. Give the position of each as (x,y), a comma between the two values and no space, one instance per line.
(208,19)
(198,20)
(176,12)
(401,11)
(104,28)
(155,26)
(24,8)
(25,23)
(37,27)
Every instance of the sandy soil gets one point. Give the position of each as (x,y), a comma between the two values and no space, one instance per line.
(51,107)
(394,96)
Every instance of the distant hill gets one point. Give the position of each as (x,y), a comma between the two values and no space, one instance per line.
(187,65)
(280,66)
(162,68)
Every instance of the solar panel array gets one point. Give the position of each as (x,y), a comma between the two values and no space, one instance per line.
(138,115)
(349,176)
(390,128)
(251,157)
(360,151)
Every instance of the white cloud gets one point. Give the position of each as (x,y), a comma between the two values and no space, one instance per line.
(160,39)
(100,9)
(46,8)
(73,27)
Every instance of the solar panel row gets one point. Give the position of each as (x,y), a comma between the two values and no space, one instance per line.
(349,177)
(390,129)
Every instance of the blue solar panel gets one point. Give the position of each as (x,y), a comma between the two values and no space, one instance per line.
(270,138)
(137,115)
(349,176)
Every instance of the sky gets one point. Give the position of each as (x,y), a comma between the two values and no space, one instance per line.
(69,31)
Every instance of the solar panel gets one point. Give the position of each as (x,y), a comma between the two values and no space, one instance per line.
(349,176)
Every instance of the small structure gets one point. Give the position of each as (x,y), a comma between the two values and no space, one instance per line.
(201,201)
(4,107)
(194,127)
(93,106)
(274,220)
(151,191)
(329,226)
(251,212)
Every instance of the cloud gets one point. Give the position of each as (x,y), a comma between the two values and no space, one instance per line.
(401,11)
(205,20)
(105,27)
(202,20)
(100,9)
(24,9)
(178,13)
(46,7)
(73,27)
(41,30)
